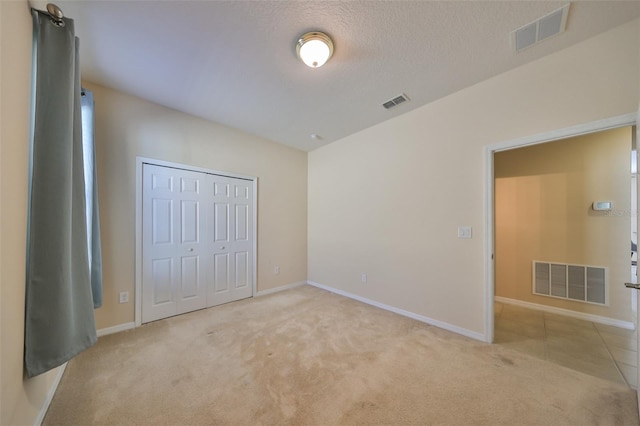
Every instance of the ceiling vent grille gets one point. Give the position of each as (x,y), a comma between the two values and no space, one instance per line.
(541,29)
(395,101)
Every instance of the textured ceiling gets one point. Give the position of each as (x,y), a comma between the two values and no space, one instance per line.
(234,62)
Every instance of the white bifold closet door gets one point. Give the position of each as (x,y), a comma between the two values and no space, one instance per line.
(197,241)
(232,238)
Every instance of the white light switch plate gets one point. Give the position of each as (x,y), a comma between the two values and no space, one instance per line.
(464,232)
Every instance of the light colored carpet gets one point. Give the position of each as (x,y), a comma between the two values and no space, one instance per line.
(308,357)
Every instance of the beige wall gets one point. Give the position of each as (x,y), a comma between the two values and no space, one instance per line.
(20,399)
(387,201)
(127,127)
(543,195)
(638,215)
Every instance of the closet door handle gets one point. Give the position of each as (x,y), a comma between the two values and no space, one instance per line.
(631,285)
(223,247)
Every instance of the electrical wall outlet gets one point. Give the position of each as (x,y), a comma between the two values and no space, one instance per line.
(124,297)
(363,278)
(276,270)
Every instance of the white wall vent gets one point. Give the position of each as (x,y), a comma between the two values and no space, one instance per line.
(395,101)
(589,284)
(541,29)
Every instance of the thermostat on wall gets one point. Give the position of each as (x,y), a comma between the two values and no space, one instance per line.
(602,205)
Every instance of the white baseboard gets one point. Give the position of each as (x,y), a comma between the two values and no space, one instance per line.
(440,324)
(568,313)
(50,394)
(281,288)
(116,329)
(130,325)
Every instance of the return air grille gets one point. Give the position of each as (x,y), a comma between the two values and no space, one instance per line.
(581,283)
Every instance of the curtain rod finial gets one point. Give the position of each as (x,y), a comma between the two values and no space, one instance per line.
(56,14)
(54,11)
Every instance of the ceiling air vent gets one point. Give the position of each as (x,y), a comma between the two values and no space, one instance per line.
(395,101)
(541,29)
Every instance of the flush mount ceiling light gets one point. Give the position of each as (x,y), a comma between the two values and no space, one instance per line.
(314,48)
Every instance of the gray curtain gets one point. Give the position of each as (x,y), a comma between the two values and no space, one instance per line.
(59,319)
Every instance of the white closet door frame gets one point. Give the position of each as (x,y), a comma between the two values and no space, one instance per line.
(138,223)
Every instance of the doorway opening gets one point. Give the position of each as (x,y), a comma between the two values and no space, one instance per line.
(537,210)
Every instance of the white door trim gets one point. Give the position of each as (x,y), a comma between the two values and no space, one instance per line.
(489,150)
(138,222)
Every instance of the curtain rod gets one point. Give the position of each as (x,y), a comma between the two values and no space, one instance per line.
(55,13)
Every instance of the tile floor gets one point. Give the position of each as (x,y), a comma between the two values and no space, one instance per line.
(596,349)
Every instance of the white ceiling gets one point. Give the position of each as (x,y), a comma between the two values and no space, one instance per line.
(234,62)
